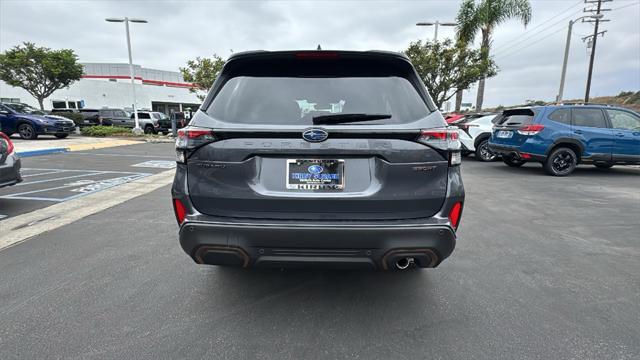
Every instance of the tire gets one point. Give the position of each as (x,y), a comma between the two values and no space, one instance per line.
(603,165)
(512,161)
(561,162)
(27,132)
(62,136)
(149,129)
(483,153)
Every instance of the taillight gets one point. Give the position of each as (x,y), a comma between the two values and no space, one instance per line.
(179,210)
(454,214)
(530,129)
(443,139)
(317,54)
(190,138)
(4,138)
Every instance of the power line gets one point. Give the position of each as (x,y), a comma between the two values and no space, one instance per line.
(508,54)
(522,42)
(626,6)
(539,25)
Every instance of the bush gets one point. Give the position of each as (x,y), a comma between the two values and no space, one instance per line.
(101,131)
(77,118)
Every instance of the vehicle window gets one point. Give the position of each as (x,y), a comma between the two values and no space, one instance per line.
(107,113)
(296,100)
(515,117)
(156,116)
(24,109)
(120,113)
(142,116)
(562,116)
(589,118)
(623,120)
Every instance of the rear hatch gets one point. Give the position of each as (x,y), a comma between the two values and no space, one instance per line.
(507,125)
(265,158)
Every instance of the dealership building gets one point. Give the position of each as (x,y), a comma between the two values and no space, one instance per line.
(109,85)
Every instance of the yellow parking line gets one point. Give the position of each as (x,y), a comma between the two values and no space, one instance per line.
(101,145)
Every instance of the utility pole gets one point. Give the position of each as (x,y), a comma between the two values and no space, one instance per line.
(566,51)
(595,41)
(437,24)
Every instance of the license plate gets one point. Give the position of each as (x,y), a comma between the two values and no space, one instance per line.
(307,174)
(504,134)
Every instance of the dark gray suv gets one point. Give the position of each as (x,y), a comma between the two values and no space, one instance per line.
(318,158)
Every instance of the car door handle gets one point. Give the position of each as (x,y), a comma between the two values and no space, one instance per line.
(577,131)
(620,134)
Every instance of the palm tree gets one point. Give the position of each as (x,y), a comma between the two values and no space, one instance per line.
(484,17)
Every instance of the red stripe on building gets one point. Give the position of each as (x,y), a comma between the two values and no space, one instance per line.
(144,81)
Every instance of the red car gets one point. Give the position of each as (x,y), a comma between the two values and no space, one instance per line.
(453,117)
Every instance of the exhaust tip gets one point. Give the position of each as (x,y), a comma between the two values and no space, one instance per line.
(404,263)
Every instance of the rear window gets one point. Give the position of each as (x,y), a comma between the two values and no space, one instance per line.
(515,117)
(296,100)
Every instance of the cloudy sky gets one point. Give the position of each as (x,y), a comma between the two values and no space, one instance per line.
(530,59)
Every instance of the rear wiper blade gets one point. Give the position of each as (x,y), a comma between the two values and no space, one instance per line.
(347,118)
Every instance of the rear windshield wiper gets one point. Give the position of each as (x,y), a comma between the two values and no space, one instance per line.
(347,118)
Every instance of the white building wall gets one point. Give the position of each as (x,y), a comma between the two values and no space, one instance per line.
(114,92)
(99,93)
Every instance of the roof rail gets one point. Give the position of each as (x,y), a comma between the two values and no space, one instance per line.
(582,103)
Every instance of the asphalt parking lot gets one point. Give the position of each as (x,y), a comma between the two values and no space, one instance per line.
(545,268)
(55,178)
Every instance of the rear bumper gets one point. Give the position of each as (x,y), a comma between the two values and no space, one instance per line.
(315,245)
(515,152)
(10,171)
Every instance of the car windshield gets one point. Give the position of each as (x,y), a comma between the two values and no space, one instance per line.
(297,100)
(24,109)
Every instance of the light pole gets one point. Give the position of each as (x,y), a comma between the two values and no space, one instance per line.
(126,21)
(437,23)
(566,51)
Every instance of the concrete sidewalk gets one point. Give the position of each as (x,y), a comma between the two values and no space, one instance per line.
(26,148)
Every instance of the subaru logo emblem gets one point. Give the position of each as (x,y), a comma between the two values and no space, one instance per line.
(315,169)
(315,135)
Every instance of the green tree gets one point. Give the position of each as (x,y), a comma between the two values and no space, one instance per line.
(39,70)
(202,72)
(445,67)
(484,16)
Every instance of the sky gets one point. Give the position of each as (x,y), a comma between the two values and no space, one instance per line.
(529,59)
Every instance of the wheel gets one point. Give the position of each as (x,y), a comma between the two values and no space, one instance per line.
(149,129)
(483,153)
(512,161)
(27,132)
(603,165)
(62,136)
(561,162)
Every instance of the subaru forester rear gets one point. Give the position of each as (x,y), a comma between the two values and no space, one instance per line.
(318,158)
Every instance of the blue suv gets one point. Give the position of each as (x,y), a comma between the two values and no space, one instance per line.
(563,136)
(30,122)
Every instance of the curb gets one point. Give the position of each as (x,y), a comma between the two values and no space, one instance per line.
(39,152)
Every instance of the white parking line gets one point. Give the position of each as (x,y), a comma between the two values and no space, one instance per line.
(125,155)
(40,174)
(55,179)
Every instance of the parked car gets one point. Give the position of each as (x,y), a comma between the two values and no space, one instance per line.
(30,122)
(327,158)
(9,162)
(453,117)
(149,121)
(165,122)
(106,117)
(563,136)
(474,136)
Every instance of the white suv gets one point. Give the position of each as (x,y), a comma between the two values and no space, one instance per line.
(474,135)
